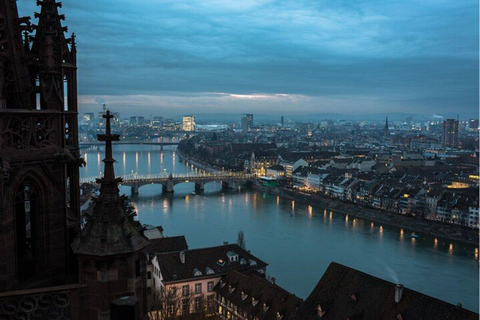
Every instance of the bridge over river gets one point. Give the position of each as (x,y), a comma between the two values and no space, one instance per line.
(168,181)
(151,143)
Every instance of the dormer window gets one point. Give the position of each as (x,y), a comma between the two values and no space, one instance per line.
(230,288)
(232,256)
(243,261)
(222,283)
(254,302)
(244,295)
(197,272)
(252,262)
(209,270)
(279,316)
(220,262)
(265,307)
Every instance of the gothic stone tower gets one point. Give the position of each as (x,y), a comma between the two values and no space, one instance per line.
(111,247)
(39,156)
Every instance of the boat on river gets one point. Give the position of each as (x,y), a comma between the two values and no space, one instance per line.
(268,182)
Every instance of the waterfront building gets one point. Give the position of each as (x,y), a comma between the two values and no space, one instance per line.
(188,123)
(276,171)
(185,280)
(247,122)
(346,293)
(291,163)
(450,133)
(140,120)
(246,296)
(261,160)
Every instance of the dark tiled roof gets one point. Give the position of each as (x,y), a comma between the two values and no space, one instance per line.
(167,244)
(204,259)
(249,147)
(240,288)
(373,298)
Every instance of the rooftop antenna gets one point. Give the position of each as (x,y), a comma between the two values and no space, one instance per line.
(104,107)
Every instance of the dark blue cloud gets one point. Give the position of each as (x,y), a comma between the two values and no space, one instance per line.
(404,55)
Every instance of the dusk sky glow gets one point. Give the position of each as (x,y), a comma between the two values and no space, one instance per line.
(167,58)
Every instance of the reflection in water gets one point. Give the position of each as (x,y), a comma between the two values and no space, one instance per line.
(136,162)
(98,160)
(148,162)
(450,248)
(435,243)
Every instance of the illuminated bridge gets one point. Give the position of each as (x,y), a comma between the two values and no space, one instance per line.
(168,181)
(100,143)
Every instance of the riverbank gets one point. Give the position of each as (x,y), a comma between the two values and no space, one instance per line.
(427,227)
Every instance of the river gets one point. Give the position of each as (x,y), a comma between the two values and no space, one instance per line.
(298,241)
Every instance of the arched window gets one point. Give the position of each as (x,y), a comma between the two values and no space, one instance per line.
(27,212)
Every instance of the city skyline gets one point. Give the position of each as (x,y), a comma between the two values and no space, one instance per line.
(266,56)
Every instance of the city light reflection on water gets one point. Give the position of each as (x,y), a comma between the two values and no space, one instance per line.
(305,242)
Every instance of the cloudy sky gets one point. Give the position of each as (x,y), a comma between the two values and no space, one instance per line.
(168,57)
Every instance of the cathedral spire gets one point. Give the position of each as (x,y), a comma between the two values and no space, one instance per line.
(111,229)
(108,137)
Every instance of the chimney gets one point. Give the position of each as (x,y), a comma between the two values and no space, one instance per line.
(273,280)
(225,243)
(398,292)
(182,257)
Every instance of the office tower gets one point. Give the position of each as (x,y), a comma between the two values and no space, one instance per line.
(281,121)
(247,122)
(450,133)
(188,123)
(141,121)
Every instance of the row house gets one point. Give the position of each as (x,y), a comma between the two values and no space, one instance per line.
(362,164)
